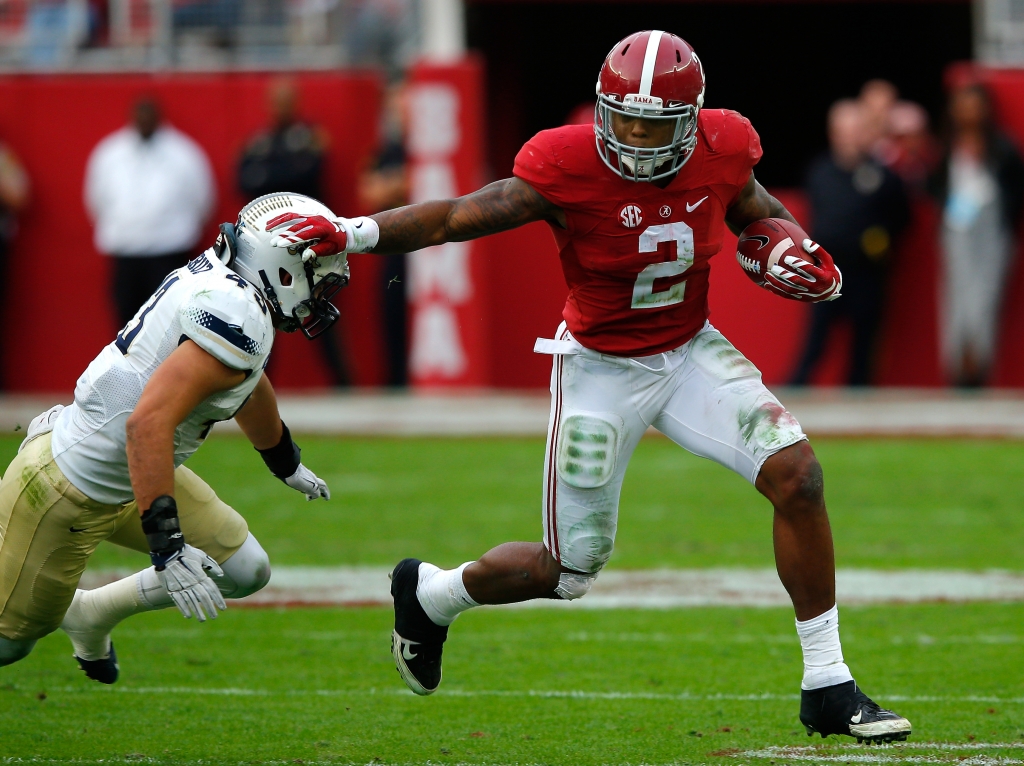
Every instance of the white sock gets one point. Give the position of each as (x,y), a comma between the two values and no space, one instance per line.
(94,613)
(823,653)
(442,594)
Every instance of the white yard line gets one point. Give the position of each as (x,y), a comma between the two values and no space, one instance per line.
(658,589)
(542,694)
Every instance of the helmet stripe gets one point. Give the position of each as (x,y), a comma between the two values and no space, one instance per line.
(650,57)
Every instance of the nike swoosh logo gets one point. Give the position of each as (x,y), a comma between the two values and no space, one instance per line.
(359,225)
(72,529)
(690,208)
(405,651)
(763,239)
(856,718)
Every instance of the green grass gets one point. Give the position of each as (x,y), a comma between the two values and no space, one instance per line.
(893,503)
(319,685)
(711,685)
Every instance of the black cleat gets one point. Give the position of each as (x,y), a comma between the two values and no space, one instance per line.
(416,641)
(845,709)
(105,671)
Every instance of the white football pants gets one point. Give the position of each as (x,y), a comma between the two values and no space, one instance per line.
(705,396)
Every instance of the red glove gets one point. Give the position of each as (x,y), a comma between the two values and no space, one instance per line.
(812,279)
(324,236)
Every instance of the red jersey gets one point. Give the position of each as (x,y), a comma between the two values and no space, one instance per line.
(637,257)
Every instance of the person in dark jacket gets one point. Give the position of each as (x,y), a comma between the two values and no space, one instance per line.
(289,157)
(858,210)
(980,185)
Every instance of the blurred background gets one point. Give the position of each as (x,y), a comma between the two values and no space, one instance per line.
(130,128)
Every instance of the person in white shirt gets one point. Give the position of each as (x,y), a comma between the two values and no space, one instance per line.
(149,190)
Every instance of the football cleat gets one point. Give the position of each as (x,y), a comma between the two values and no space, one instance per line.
(105,671)
(416,641)
(845,709)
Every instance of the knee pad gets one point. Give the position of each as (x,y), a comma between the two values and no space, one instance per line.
(245,571)
(586,537)
(574,585)
(588,444)
(12,651)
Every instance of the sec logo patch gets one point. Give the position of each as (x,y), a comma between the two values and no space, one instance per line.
(631,216)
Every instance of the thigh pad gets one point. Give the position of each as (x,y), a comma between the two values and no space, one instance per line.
(588,446)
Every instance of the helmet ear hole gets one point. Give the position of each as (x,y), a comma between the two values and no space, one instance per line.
(284,276)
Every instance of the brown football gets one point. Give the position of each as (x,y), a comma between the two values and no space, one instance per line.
(764,242)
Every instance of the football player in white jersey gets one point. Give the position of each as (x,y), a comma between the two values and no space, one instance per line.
(109,466)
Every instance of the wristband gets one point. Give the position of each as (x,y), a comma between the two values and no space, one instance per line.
(284,458)
(162,530)
(362,234)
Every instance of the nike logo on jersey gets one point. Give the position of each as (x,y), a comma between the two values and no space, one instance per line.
(690,208)
(856,718)
(72,529)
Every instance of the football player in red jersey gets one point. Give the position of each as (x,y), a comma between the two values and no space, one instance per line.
(638,203)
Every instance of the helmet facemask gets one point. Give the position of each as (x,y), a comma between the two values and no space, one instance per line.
(645,164)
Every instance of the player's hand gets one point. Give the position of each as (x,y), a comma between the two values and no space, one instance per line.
(186,575)
(812,279)
(308,483)
(322,236)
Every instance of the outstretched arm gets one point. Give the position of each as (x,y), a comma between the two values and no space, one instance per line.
(499,206)
(753,204)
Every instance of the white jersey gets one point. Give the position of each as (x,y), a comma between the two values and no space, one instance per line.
(204,302)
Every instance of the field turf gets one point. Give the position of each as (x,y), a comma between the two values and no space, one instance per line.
(710,685)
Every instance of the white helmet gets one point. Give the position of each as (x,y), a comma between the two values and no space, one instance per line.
(299,293)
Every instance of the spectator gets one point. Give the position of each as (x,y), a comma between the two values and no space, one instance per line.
(877,99)
(980,184)
(149,190)
(382,186)
(858,209)
(14,192)
(289,157)
(913,151)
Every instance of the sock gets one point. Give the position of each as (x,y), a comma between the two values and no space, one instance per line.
(442,594)
(94,613)
(823,654)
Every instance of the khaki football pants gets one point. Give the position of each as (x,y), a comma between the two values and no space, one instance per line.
(48,530)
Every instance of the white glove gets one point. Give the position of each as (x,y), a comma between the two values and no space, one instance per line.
(41,424)
(308,483)
(190,587)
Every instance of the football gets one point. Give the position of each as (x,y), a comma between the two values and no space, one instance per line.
(764,243)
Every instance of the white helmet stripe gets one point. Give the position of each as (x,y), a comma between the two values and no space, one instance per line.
(650,56)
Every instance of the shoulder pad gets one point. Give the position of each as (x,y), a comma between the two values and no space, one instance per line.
(225,318)
(729,132)
(553,156)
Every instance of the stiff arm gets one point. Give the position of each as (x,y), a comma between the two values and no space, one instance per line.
(499,206)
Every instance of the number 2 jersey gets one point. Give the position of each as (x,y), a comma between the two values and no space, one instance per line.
(637,257)
(204,302)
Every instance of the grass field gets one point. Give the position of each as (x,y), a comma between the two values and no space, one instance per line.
(710,685)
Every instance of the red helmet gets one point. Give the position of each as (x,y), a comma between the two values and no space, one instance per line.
(652,75)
